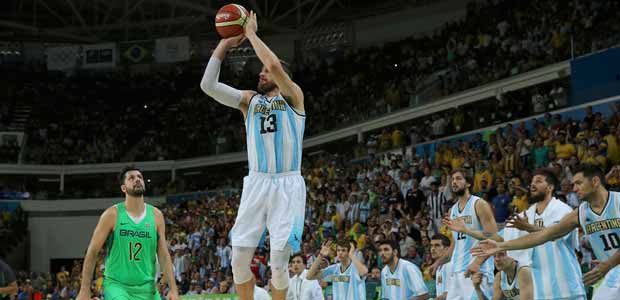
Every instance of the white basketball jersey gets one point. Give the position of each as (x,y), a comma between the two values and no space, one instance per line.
(275,133)
(461,257)
(510,289)
(555,257)
(603,231)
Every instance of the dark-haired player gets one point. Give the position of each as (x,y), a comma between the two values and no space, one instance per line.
(400,279)
(274,193)
(347,276)
(470,219)
(598,215)
(135,233)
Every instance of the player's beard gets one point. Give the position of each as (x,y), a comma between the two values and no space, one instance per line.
(539,196)
(266,87)
(459,192)
(388,260)
(136,191)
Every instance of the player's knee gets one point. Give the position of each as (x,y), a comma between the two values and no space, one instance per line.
(241,258)
(279,267)
(279,278)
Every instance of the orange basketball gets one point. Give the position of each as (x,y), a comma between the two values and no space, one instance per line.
(230,20)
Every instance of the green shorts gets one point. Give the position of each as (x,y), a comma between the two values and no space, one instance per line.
(114,290)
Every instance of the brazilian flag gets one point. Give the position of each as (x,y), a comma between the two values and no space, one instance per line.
(137,52)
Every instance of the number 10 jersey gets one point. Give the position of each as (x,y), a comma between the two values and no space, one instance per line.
(275,133)
(603,233)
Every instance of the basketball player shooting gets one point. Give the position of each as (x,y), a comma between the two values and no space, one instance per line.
(274,193)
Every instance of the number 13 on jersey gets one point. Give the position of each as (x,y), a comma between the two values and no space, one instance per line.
(268,124)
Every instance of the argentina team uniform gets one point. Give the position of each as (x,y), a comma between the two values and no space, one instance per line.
(459,287)
(347,285)
(441,279)
(274,193)
(603,232)
(510,289)
(523,257)
(406,282)
(556,273)
(275,132)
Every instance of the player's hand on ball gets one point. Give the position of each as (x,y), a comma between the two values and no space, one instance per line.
(326,248)
(252,24)
(234,41)
(597,273)
(486,248)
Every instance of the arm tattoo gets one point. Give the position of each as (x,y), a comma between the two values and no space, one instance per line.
(487,234)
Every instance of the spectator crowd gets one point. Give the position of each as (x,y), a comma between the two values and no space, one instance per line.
(399,197)
(120,116)
(387,196)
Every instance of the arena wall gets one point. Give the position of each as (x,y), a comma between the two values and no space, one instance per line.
(61,229)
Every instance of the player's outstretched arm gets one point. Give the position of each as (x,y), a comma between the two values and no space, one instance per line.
(223,93)
(521,223)
(105,226)
(566,225)
(526,285)
(164,255)
(458,225)
(315,272)
(289,89)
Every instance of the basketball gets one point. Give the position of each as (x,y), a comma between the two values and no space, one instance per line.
(230,19)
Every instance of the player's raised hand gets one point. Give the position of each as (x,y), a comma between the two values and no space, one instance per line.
(457,224)
(252,24)
(351,249)
(520,223)
(486,248)
(597,273)
(326,248)
(234,41)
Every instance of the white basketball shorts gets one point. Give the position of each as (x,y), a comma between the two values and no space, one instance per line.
(273,201)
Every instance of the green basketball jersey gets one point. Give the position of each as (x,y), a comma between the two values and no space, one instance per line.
(132,249)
